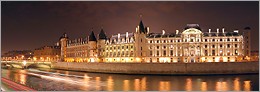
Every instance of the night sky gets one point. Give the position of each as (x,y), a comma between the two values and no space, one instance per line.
(28,25)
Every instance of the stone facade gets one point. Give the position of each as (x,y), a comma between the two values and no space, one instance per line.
(47,53)
(190,45)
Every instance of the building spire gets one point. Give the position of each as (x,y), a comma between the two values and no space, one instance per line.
(141,16)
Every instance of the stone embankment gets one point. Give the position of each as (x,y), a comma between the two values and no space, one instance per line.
(162,68)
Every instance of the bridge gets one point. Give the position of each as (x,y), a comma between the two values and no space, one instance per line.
(26,64)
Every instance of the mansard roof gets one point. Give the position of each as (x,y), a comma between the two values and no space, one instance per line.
(160,35)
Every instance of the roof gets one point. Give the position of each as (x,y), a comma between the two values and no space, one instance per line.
(64,36)
(102,35)
(205,34)
(142,29)
(192,26)
(92,37)
(159,35)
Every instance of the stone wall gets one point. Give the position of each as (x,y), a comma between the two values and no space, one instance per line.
(162,68)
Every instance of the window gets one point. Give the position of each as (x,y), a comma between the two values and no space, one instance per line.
(164,53)
(213,52)
(213,46)
(157,59)
(131,47)
(171,59)
(228,45)
(141,48)
(220,45)
(235,45)
(122,47)
(220,39)
(141,39)
(126,47)
(151,53)
(205,40)
(235,39)
(171,52)
(213,40)
(164,47)
(205,46)
(191,40)
(157,53)
(157,47)
(206,52)
(151,60)
(236,52)
(228,39)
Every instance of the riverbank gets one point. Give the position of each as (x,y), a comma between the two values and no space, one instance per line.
(163,68)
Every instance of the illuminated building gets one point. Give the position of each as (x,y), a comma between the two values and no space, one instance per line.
(47,53)
(17,55)
(188,45)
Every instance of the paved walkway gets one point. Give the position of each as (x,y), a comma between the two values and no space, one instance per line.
(8,85)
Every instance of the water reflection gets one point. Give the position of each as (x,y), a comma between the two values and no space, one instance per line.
(164,86)
(188,84)
(110,83)
(137,84)
(98,86)
(22,77)
(247,85)
(236,84)
(86,82)
(126,85)
(203,86)
(116,82)
(143,84)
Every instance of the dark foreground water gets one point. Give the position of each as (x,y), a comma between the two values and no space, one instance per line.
(50,80)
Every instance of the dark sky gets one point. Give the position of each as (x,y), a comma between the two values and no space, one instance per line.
(30,25)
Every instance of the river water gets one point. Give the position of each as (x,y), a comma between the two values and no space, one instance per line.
(50,80)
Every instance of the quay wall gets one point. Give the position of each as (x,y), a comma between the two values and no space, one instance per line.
(162,68)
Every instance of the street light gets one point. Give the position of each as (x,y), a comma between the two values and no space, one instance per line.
(24,62)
